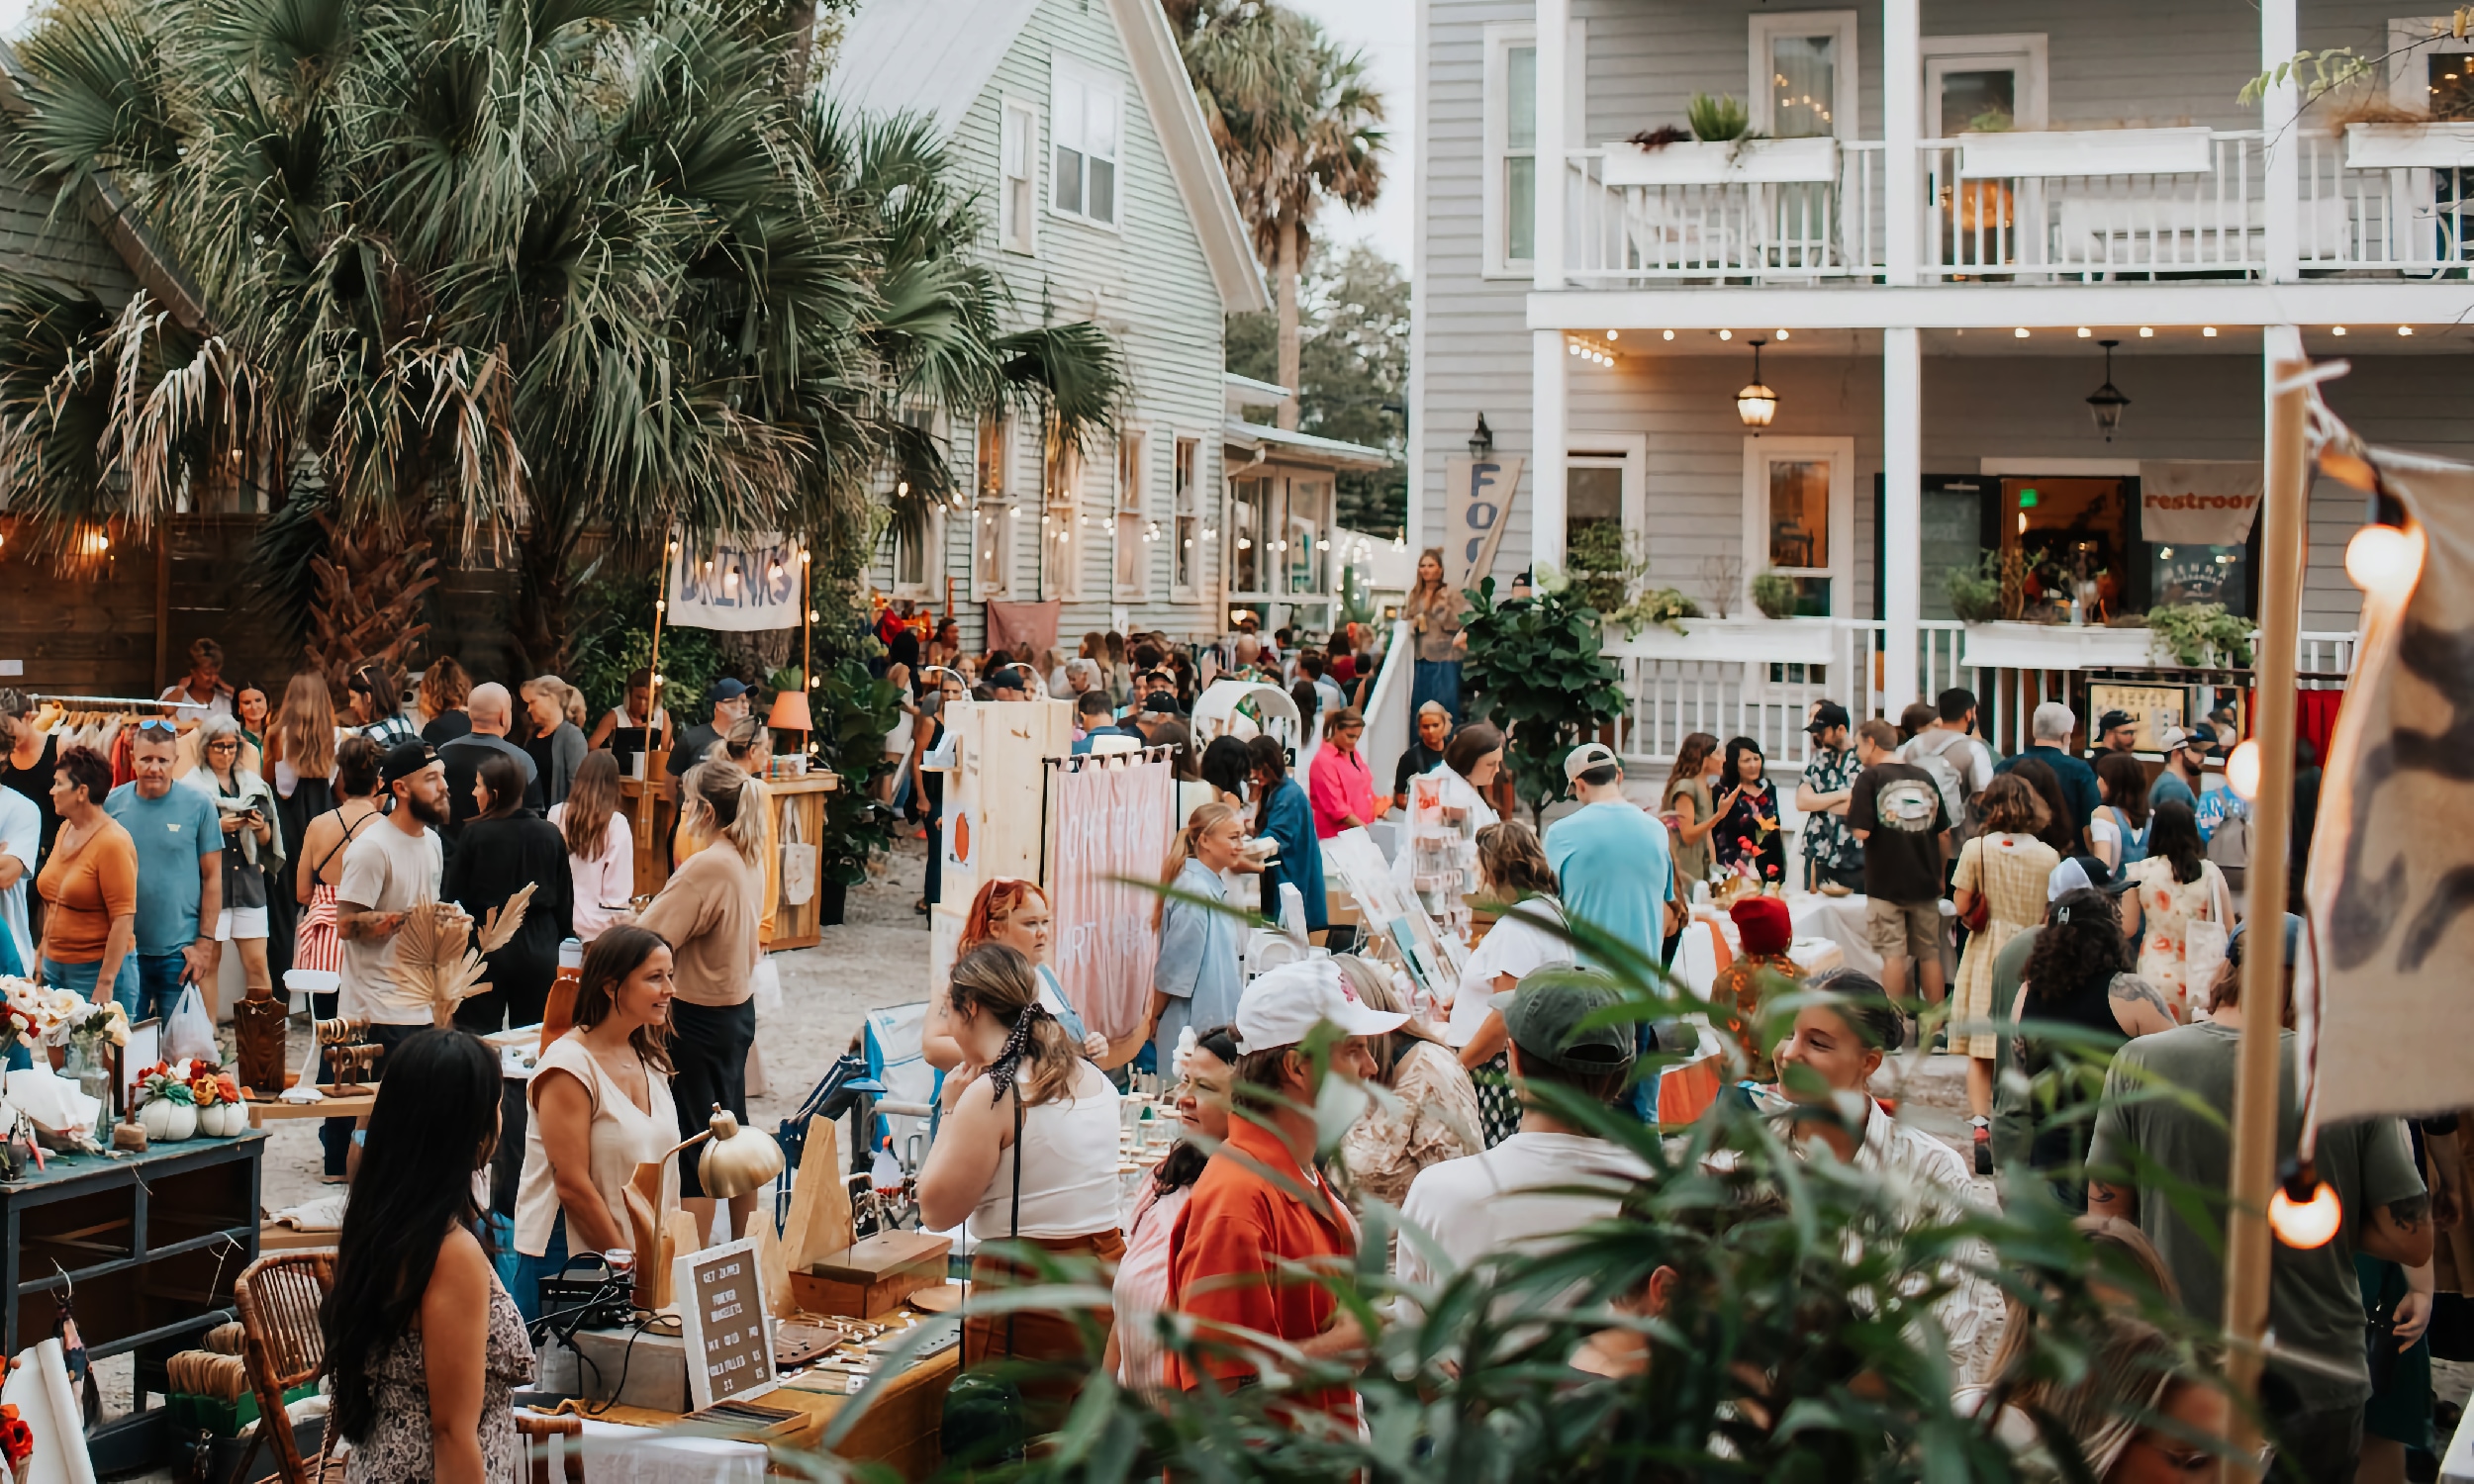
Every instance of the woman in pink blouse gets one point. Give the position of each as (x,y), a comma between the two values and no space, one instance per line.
(601,848)
(1338,782)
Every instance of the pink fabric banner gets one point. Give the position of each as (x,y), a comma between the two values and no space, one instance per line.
(1113,820)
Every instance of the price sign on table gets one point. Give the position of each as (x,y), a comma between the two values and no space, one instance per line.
(721,1315)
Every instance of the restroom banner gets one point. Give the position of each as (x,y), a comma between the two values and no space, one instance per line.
(741,584)
(2199,501)
(1478,504)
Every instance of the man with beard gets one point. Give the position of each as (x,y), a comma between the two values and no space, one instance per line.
(387,870)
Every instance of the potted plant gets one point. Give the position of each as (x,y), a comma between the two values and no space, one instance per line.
(1776,594)
(1721,149)
(1975,592)
(853,710)
(2199,634)
(1665,607)
(89,1034)
(1535,669)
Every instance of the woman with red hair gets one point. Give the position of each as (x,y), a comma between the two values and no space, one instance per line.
(1015,912)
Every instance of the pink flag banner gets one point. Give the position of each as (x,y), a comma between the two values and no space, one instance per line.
(1113,820)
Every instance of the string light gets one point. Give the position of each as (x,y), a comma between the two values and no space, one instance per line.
(2305,1224)
(2384,561)
(2242,770)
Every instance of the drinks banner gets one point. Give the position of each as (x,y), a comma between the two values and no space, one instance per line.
(1113,820)
(742,583)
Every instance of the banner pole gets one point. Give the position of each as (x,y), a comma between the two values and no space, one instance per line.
(2249,1247)
(644,797)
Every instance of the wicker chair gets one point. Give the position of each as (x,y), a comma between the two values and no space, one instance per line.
(284,1345)
(535,1429)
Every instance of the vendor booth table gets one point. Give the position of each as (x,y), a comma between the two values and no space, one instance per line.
(798,814)
(146,1248)
(899,1427)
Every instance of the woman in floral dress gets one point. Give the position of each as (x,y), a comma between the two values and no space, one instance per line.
(2178,885)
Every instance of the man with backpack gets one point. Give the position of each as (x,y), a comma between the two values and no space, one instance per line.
(1959,766)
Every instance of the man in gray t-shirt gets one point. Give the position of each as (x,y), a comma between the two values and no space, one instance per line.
(2314,1302)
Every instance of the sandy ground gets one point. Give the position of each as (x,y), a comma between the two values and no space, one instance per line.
(878,956)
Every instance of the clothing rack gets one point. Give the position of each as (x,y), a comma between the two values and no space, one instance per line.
(117,701)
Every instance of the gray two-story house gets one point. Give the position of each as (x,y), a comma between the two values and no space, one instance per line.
(1983,290)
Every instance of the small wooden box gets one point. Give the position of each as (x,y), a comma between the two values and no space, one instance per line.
(870,1279)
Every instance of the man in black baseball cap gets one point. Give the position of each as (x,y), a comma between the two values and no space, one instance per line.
(2114,730)
(1548,1178)
(730,708)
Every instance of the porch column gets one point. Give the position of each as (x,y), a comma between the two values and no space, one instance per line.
(1902,116)
(2278,42)
(1548,441)
(1902,512)
(1555,30)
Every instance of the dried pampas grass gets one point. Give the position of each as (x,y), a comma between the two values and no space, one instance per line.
(434,952)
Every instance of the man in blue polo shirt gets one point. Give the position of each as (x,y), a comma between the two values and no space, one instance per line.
(1611,861)
(180,876)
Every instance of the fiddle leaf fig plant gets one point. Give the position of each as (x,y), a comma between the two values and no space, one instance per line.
(1535,670)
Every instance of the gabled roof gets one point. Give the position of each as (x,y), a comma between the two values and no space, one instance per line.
(1264,442)
(935,57)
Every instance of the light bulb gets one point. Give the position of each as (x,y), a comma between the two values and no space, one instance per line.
(2148,332)
(2020,333)
(2305,1225)
(2242,770)
(1725,334)
(2384,560)
(2337,330)
(2085,333)
(2208,331)
(1611,335)
(2405,330)
(1782,334)
(1667,335)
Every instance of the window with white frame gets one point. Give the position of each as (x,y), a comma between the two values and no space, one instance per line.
(1186,534)
(1510,188)
(1804,74)
(1086,117)
(1017,194)
(1061,522)
(1799,519)
(991,534)
(1135,528)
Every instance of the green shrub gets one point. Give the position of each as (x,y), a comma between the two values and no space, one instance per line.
(1975,592)
(1533,667)
(1775,594)
(2202,633)
(1667,606)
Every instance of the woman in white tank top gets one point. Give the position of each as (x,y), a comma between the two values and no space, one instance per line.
(1018,1062)
(600,1106)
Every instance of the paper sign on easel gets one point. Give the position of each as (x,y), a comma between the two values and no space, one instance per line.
(722,1318)
(1433,959)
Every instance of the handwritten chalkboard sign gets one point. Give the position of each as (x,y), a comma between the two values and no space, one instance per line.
(722,1314)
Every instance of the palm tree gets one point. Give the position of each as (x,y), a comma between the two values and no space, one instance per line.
(551,276)
(1295,124)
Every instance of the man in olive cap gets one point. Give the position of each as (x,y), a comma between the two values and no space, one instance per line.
(1550,1178)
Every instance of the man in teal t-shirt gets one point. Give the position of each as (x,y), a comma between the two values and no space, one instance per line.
(181,876)
(1611,862)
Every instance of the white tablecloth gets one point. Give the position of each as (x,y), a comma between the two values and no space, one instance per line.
(1841,919)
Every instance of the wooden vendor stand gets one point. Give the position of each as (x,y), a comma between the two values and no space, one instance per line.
(900,1426)
(799,799)
(146,1248)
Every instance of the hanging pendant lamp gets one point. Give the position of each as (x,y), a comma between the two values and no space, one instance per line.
(1756,403)
(2106,403)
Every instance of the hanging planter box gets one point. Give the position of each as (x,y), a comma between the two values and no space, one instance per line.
(1724,163)
(2438,146)
(2056,646)
(1751,641)
(2085,152)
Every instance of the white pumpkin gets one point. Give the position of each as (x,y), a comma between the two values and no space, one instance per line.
(222,1120)
(168,1122)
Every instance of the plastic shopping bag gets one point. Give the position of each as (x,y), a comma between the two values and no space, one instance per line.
(190,1034)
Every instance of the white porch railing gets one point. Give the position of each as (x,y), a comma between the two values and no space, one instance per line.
(2208,222)
(1770,700)
(1766,232)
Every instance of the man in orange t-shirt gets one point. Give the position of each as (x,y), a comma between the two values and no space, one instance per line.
(1260,1212)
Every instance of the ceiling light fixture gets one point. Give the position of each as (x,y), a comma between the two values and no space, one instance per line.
(2086,333)
(2147,333)
(1756,403)
(2020,333)
(2106,403)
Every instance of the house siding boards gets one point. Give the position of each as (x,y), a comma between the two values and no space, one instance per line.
(1150,285)
(59,245)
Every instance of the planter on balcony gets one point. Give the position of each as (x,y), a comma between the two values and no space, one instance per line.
(2085,152)
(2056,646)
(1725,162)
(1754,640)
(2438,145)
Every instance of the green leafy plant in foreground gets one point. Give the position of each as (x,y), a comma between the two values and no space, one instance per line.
(2201,633)
(1534,669)
(1801,1338)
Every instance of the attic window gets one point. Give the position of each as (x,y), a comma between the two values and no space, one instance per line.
(1086,112)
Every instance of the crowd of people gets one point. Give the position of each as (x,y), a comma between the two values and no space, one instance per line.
(2062,916)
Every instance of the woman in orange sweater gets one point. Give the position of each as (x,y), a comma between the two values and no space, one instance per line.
(89,885)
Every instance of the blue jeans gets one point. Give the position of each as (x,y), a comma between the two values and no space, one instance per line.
(158,990)
(1437,680)
(78,978)
(526,1287)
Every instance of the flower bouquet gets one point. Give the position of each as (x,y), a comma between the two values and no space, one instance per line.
(17,1440)
(169,1099)
(33,1015)
(221,1111)
(91,1033)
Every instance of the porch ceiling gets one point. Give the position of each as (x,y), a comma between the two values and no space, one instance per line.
(2001,307)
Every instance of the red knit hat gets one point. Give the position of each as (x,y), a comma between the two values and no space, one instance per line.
(1762,925)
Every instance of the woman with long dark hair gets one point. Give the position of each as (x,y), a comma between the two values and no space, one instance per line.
(378,706)
(2078,975)
(503,847)
(601,1106)
(1434,614)
(422,1344)
(2175,889)
(1028,1149)
(600,845)
(2117,832)
(1690,811)
(1748,834)
(2060,830)
(1280,810)
(1141,1290)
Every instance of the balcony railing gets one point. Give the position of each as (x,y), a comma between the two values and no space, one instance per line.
(1771,700)
(2065,207)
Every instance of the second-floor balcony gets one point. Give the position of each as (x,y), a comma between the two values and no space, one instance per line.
(2086,206)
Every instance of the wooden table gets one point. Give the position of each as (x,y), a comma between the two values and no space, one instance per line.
(264,1111)
(798,808)
(146,1247)
(900,1426)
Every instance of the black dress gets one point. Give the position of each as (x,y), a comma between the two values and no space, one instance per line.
(493,862)
(36,783)
(1743,824)
(311,798)
(2064,1131)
